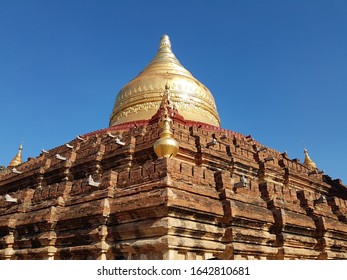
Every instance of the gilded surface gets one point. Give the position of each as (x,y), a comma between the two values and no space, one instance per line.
(17,160)
(166,146)
(141,97)
(308,161)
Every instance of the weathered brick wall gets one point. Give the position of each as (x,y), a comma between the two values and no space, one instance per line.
(189,207)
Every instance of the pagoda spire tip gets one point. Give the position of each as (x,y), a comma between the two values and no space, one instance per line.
(165,41)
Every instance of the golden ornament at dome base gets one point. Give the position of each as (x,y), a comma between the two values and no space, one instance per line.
(166,147)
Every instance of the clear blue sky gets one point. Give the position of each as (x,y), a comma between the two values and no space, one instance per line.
(277,69)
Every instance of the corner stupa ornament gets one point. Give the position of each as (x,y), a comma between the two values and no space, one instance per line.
(140,98)
(308,161)
(17,160)
(166,146)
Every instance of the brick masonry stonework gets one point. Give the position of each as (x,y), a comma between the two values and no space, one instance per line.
(187,207)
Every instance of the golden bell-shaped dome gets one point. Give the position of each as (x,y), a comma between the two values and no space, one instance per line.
(141,97)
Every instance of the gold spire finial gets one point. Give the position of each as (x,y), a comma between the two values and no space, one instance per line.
(308,161)
(166,146)
(17,160)
(165,42)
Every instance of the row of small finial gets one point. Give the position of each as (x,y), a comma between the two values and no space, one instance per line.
(166,145)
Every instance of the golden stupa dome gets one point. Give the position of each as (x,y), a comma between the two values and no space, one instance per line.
(141,97)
